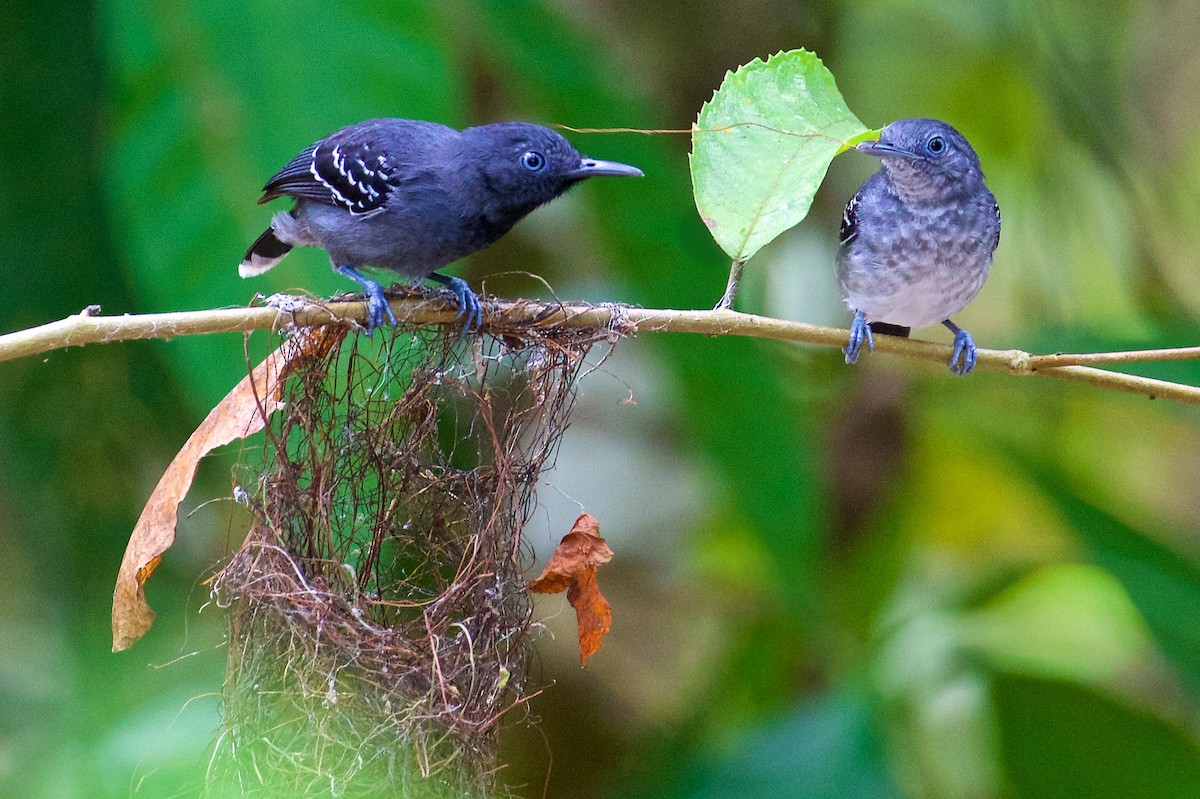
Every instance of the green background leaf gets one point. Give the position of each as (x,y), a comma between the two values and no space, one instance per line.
(1060,739)
(754,181)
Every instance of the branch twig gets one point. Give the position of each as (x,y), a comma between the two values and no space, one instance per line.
(88,328)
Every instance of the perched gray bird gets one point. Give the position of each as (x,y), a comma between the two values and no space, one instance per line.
(414,196)
(917,239)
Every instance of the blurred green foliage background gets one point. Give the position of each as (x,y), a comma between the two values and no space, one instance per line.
(830,581)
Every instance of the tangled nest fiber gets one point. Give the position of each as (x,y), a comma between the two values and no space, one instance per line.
(380,624)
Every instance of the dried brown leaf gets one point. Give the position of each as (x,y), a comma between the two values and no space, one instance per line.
(244,411)
(572,568)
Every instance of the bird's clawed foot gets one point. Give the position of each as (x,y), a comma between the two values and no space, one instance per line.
(379,310)
(470,310)
(962,360)
(860,330)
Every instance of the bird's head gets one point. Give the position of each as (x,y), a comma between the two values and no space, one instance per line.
(925,158)
(525,165)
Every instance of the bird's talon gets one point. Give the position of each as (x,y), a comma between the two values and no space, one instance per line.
(380,312)
(964,356)
(860,329)
(469,307)
(379,309)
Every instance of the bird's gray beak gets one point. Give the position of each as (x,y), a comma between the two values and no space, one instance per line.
(881,150)
(590,168)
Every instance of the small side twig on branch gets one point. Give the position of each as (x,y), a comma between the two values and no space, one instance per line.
(89,328)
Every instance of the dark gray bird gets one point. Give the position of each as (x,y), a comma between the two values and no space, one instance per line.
(414,196)
(917,239)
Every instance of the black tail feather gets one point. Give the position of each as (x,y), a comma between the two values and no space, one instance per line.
(264,253)
(890,330)
(268,246)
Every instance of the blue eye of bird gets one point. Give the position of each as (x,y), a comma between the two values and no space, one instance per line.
(936,145)
(533,161)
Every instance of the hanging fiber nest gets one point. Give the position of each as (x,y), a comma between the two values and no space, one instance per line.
(380,622)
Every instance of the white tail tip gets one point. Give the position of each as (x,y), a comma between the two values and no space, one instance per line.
(256,265)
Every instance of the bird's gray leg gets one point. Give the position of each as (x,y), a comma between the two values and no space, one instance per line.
(962,360)
(468,302)
(860,329)
(379,309)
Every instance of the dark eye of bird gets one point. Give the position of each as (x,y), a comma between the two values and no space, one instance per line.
(533,161)
(936,145)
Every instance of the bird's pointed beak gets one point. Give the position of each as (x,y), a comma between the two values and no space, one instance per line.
(881,150)
(591,167)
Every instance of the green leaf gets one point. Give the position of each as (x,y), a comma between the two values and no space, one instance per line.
(761,146)
(1163,584)
(1069,621)
(829,748)
(1062,740)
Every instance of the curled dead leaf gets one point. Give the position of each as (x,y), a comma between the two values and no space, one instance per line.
(572,568)
(242,412)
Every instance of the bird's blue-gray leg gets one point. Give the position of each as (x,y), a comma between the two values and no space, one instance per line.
(379,309)
(469,308)
(962,360)
(860,330)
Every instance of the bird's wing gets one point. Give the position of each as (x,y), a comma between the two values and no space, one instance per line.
(849,222)
(996,211)
(341,171)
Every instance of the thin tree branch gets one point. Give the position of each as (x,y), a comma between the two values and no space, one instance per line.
(89,328)
(1103,358)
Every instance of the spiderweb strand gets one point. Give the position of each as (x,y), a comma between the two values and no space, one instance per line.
(717,129)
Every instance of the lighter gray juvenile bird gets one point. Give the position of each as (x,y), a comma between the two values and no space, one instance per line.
(414,196)
(917,239)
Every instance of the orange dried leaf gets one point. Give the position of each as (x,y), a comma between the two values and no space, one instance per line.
(242,412)
(593,614)
(572,568)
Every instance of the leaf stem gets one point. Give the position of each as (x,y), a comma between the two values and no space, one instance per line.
(735,277)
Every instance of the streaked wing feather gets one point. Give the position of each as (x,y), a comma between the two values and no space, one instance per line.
(849,221)
(354,175)
(996,211)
